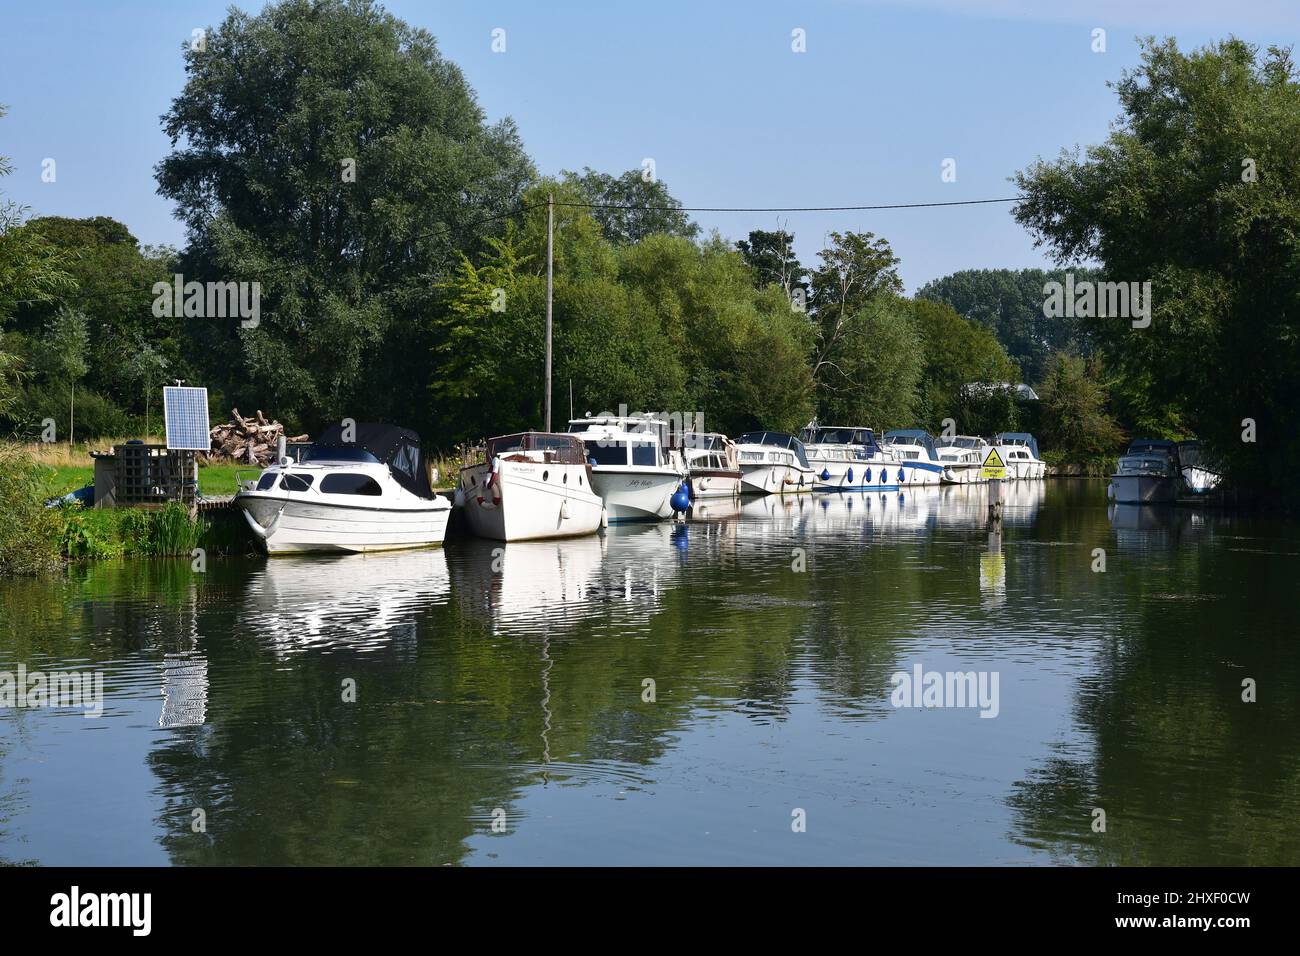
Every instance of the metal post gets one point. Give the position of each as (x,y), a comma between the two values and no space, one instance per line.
(550,261)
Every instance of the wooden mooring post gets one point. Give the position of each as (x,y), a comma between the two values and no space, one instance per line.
(995,506)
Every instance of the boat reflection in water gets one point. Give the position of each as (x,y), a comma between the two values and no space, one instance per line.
(1141,528)
(363,602)
(539,587)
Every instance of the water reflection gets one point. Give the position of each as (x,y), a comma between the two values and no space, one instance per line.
(665,693)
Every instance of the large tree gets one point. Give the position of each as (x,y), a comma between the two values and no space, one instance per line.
(328,151)
(1197,191)
(1009,303)
(631,206)
(957,352)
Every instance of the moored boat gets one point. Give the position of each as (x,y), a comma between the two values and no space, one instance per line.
(1019,452)
(773,463)
(364,487)
(1148,473)
(962,457)
(848,458)
(711,468)
(918,461)
(530,486)
(630,469)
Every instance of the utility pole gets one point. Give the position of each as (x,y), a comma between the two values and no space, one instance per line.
(550,263)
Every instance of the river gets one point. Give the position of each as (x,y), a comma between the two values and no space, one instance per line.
(724,691)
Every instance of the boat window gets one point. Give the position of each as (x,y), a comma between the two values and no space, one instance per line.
(339,453)
(266,481)
(293,481)
(645,453)
(607,452)
(345,484)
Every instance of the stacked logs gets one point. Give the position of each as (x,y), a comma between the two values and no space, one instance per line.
(252,440)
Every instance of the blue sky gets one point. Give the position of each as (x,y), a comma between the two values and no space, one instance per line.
(711,91)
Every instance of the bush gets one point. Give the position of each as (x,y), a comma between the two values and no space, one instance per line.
(29,532)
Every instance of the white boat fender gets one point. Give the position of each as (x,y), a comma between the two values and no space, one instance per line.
(260,531)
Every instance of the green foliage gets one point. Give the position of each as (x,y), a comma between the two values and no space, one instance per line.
(1197,190)
(275,115)
(1009,303)
(29,531)
(878,368)
(958,352)
(658,212)
(1073,420)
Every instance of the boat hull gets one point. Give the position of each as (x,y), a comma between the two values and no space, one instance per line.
(636,495)
(709,483)
(775,479)
(292,526)
(833,475)
(919,473)
(530,501)
(1144,489)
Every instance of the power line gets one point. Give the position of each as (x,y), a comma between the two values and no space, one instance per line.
(897,205)
(525,207)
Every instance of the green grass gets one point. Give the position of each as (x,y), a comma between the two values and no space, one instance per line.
(213,479)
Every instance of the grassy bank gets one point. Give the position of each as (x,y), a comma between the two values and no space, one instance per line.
(36,539)
(65,468)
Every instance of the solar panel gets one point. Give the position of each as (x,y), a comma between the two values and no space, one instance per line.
(186,413)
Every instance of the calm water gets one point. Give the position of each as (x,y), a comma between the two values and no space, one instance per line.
(509,687)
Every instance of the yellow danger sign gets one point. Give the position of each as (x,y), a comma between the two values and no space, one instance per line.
(994,466)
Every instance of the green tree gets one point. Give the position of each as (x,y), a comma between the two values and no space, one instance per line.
(62,355)
(853,286)
(880,365)
(631,206)
(334,156)
(1197,191)
(1073,421)
(1009,303)
(958,352)
(31,270)
(771,257)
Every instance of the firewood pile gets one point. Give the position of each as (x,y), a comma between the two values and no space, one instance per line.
(252,440)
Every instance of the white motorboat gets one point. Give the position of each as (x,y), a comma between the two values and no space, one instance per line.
(773,463)
(1199,474)
(711,468)
(1019,452)
(1148,473)
(363,488)
(630,470)
(962,457)
(918,461)
(848,458)
(529,486)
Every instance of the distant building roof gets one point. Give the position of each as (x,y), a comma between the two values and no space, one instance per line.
(1023,392)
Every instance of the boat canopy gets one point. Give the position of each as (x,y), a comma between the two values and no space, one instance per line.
(1140,445)
(396,447)
(1018,438)
(913,436)
(556,447)
(838,435)
(704,441)
(778,440)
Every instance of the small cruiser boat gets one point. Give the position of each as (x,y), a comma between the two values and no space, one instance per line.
(963,457)
(1199,474)
(918,461)
(711,468)
(1019,452)
(773,463)
(1148,473)
(847,458)
(371,492)
(529,486)
(630,469)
